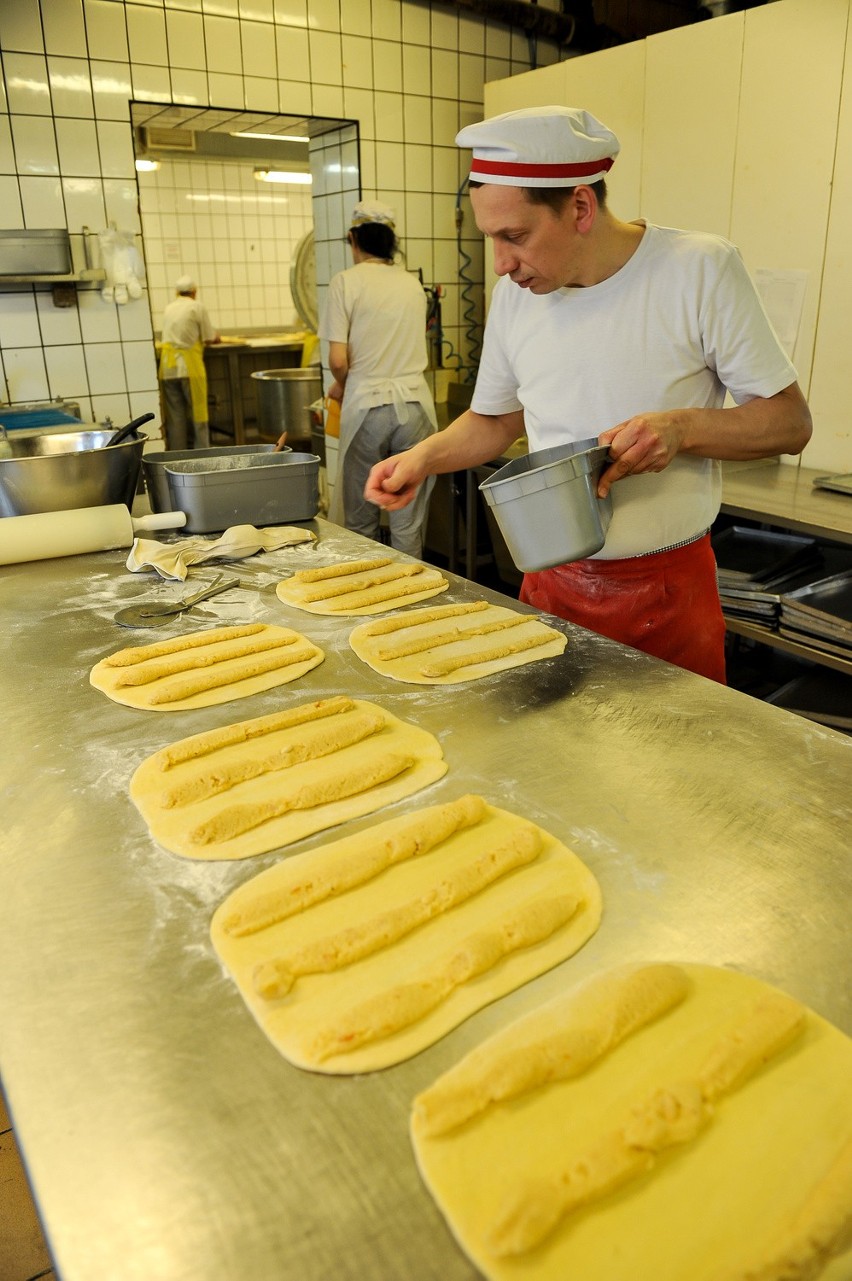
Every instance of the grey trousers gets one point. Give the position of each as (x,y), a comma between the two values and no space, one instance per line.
(379,436)
(180,424)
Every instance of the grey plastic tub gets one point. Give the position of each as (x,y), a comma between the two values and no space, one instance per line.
(547,507)
(271,489)
(154,466)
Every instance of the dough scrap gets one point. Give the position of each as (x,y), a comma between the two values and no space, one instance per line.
(361,953)
(361,587)
(430,653)
(726,1095)
(204,668)
(261,784)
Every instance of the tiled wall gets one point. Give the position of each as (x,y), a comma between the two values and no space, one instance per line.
(234,235)
(409,72)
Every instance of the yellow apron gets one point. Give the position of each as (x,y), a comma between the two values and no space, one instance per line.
(194,359)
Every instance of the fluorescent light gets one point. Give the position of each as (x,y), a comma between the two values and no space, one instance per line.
(276,137)
(281,175)
(147,166)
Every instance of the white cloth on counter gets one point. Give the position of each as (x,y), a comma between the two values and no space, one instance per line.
(171,560)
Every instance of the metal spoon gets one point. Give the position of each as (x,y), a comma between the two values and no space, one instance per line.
(153,615)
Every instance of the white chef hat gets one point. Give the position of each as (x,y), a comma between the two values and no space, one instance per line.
(373,211)
(540,147)
(184,284)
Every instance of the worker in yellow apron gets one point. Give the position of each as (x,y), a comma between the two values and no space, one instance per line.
(183,377)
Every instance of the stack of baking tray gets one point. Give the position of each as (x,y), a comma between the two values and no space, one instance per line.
(754,565)
(819,614)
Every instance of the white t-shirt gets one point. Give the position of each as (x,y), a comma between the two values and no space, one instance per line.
(380,311)
(676,327)
(185,322)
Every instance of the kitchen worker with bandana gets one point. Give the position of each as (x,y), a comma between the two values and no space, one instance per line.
(183,377)
(374,321)
(628,332)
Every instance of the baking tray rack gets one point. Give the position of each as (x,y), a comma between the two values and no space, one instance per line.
(820,695)
(760,558)
(820,614)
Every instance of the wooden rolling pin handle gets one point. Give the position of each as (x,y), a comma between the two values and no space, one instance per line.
(72,533)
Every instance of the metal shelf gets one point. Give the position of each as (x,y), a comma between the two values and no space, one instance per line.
(752,631)
(70,278)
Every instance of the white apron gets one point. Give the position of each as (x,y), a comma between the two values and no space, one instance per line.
(365,393)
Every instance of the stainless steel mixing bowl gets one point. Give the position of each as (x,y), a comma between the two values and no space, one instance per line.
(54,471)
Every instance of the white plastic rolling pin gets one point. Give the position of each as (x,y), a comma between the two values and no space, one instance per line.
(71,533)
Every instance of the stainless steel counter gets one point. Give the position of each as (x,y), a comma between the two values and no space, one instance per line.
(784,494)
(165,1138)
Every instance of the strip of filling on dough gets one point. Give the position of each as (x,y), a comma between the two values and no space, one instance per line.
(600,1016)
(436,640)
(340,571)
(420,616)
(195,660)
(446,666)
(671,1115)
(159,649)
(188,686)
(418,834)
(375,595)
(388,1012)
(190,749)
(394,574)
(322,740)
(348,781)
(275,978)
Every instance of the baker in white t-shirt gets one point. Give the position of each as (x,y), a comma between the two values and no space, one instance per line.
(183,377)
(374,320)
(630,333)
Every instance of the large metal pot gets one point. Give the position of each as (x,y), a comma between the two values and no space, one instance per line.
(284,398)
(54,471)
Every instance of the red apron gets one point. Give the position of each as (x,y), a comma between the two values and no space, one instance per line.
(666,604)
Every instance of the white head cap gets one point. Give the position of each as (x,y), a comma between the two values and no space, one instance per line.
(540,147)
(184,284)
(373,211)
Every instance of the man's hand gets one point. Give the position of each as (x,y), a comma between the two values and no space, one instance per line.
(393,482)
(644,443)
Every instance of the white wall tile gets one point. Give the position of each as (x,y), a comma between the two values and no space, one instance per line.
(417,71)
(122,203)
(222,42)
(84,203)
(113,409)
(35,145)
(355,17)
(66,371)
(139,365)
(98,320)
(258,49)
(42,202)
(326,58)
(134,321)
(328,100)
(112,89)
(70,86)
(26,377)
(64,29)
(20,27)
(146,34)
(106,30)
(445,73)
(19,320)
(185,33)
(189,87)
(7,153)
(106,367)
(57,325)
(27,84)
(221,8)
(261,94)
(256,10)
(151,83)
(357,62)
(115,141)
(12,215)
(389,120)
(77,141)
(226,90)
